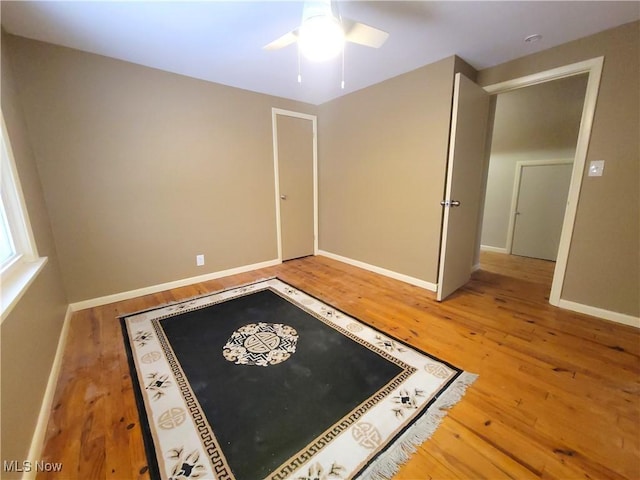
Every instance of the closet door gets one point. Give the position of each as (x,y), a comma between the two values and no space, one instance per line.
(541,203)
(295,153)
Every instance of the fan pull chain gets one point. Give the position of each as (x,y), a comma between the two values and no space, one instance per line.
(299,75)
(342,82)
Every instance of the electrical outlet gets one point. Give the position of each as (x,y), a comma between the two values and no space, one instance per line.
(199,260)
(596,167)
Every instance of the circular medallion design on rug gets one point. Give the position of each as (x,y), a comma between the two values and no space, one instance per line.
(437,370)
(355,327)
(174,417)
(366,435)
(261,344)
(151,357)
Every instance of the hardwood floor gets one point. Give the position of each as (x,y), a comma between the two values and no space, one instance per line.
(523,268)
(558,393)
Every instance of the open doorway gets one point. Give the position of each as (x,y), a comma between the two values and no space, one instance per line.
(458,249)
(534,142)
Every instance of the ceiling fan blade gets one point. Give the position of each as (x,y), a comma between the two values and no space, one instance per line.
(362,34)
(283,41)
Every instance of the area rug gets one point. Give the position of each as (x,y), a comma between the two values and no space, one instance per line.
(264,381)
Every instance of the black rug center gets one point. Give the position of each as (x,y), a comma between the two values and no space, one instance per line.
(263,416)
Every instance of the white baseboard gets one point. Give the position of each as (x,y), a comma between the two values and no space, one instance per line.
(600,313)
(37,441)
(117,297)
(382,271)
(489,248)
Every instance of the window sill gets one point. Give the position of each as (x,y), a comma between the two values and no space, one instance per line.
(16,283)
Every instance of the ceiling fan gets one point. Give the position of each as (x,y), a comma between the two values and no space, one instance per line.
(323,32)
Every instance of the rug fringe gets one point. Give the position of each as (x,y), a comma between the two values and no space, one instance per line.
(389,462)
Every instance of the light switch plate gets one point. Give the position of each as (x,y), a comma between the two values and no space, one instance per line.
(596,167)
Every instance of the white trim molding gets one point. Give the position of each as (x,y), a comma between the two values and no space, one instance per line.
(382,271)
(117,297)
(22,266)
(37,441)
(593,68)
(276,171)
(16,283)
(600,313)
(586,66)
(14,202)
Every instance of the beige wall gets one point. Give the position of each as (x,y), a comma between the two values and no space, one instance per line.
(604,260)
(540,122)
(383,153)
(144,169)
(30,333)
(140,169)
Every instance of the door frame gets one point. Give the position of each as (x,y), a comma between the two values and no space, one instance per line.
(592,67)
(516,192)
(274,125)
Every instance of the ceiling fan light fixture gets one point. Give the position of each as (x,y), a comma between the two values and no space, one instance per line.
(533,38)
(321,38)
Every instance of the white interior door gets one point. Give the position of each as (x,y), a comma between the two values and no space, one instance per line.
(540,206)
(464,185)
(295,167)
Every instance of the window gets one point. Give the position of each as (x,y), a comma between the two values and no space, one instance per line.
(19,261)
(7,250)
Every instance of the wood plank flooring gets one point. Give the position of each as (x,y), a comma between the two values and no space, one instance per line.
(524,268)
(558,393)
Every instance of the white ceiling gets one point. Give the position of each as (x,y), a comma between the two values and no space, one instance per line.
(221,41)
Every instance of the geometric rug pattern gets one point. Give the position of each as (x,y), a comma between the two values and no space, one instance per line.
(266,381)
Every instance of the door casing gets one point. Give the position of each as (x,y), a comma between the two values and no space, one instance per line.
(592,67)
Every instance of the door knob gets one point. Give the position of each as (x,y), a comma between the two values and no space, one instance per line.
(283,197)
(450,203)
